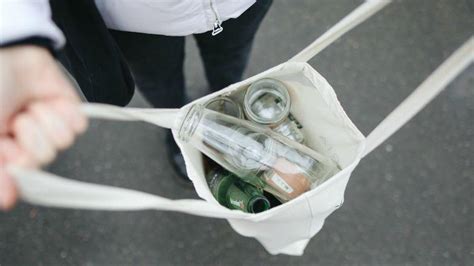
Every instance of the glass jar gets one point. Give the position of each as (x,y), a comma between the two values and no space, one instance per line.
(225,105)
(280,166)
(268,102)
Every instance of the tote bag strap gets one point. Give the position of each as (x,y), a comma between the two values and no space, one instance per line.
(431,87)
(359,15)
(46,189)
(160,117)
(422,95)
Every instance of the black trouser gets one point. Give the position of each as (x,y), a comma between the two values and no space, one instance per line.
(156,61)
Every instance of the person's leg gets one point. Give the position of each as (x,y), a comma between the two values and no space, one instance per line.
(225,55)
(91,55)
(156,62)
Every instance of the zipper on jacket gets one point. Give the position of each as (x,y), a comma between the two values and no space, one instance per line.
(217,28)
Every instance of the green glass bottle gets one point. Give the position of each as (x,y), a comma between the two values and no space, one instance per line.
(232,192)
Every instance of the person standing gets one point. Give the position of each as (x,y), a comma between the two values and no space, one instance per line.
(109,47)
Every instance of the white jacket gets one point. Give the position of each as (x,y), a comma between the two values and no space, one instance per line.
(22,18)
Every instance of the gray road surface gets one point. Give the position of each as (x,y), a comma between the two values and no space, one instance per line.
(408,203)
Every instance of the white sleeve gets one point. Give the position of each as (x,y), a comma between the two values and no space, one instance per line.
(21,19)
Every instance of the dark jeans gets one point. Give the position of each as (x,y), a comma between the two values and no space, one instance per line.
(100,61)
(157,61)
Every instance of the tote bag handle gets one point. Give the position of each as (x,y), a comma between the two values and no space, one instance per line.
(357,16)
(419,98)
(422,95)
(42,188)
(45,189)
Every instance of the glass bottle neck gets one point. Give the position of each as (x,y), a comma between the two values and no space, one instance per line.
(190,122)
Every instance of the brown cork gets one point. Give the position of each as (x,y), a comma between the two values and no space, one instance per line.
(288,179)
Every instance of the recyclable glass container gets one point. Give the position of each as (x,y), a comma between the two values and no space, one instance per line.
(232,192)
(225,105)
(255,153)
(268,102)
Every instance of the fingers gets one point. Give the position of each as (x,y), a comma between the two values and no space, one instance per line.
(8,192)
(8,150)
(33,139)
(12,153)
(36,136)
(72,114)
(39,112)
(56,127)
(43,129)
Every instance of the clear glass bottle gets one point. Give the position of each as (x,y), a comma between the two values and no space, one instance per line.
(282,167)
(232,192)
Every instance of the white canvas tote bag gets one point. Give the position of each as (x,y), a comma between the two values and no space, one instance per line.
(287,228)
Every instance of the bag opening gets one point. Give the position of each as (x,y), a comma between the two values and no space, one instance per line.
(326,127)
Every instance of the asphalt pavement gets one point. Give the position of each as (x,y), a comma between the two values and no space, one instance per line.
(410,202)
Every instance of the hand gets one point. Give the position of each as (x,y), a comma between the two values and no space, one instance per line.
(39,113)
